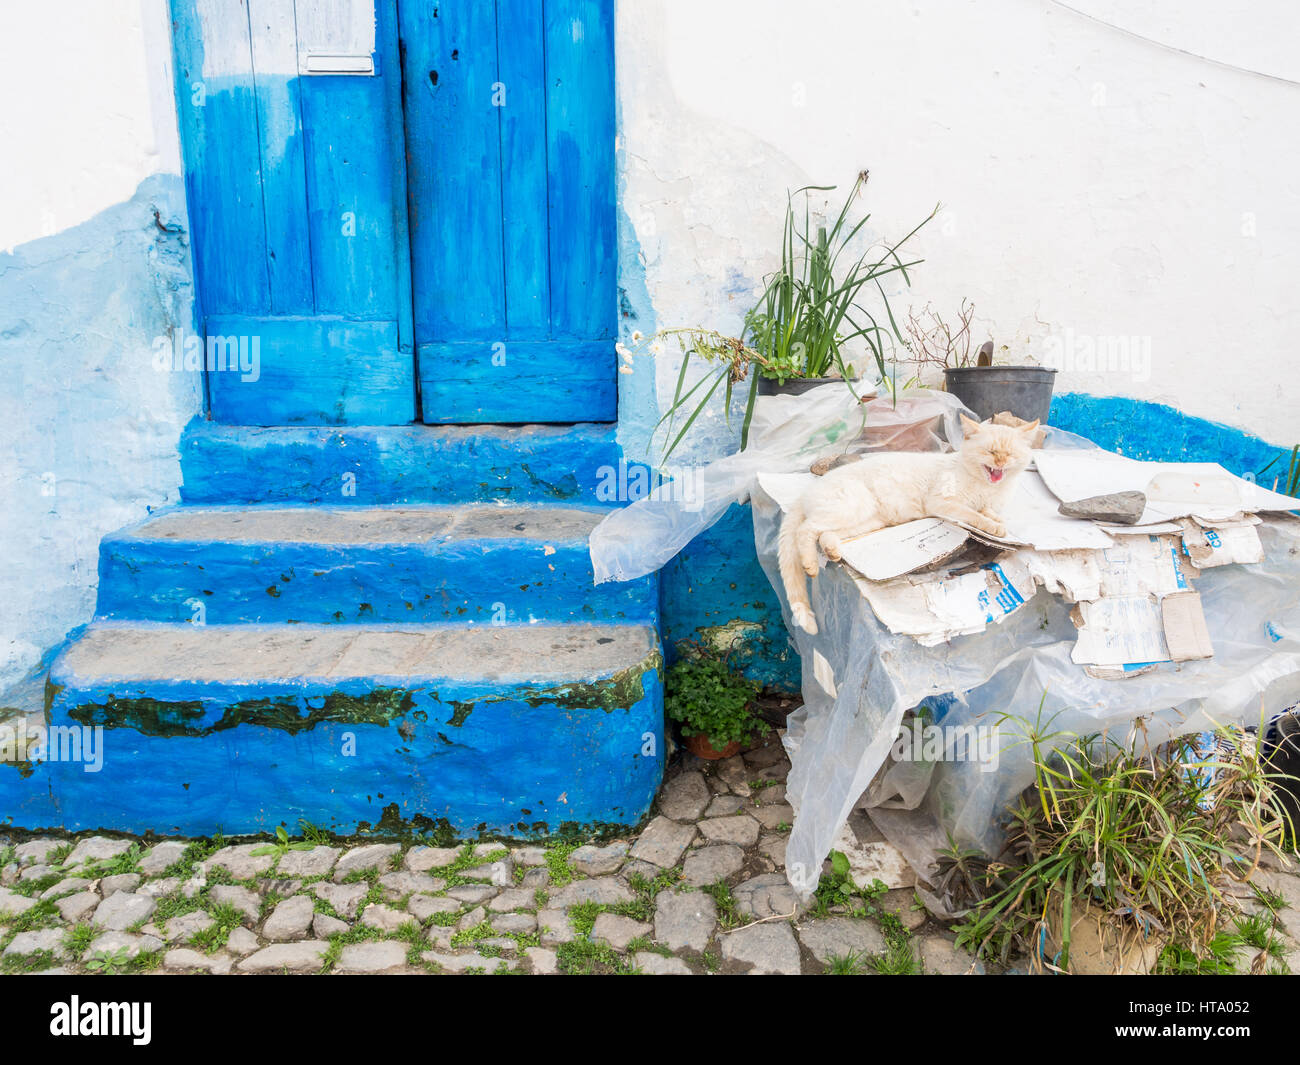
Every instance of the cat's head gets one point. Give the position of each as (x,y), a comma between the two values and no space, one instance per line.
(996,453)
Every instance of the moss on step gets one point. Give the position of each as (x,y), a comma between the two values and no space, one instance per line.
(621,691)
(155,717)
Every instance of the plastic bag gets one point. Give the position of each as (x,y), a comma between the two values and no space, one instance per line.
(787,434)
(859,680)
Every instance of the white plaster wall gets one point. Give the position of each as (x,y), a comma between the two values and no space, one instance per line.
(1094,185)
(94,265)
(87,113)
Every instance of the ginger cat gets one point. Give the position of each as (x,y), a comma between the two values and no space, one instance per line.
(890,488)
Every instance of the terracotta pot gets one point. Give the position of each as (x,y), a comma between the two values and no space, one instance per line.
(700,746)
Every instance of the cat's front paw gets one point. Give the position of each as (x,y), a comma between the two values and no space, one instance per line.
(831,545)
(993,525)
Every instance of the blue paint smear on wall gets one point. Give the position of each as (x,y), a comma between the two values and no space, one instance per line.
(91,425)
(1155,432)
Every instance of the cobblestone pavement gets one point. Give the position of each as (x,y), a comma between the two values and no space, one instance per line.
(701,890)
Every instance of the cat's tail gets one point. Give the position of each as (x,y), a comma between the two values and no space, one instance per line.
(792,572)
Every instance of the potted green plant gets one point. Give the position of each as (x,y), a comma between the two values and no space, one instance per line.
(970,373)
(712,703)
(811,314)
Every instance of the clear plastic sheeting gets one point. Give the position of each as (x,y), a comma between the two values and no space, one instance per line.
(859,680)
(787,435)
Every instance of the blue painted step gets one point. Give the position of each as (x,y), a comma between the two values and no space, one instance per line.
(475,563)
(515,730)
(373,465)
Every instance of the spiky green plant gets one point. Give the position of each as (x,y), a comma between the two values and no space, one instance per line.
(1288,485)
(1147,837)
(814,308)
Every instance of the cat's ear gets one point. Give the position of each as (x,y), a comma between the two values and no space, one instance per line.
(1029,427)
(968,427)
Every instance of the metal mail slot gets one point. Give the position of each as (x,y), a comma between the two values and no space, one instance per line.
(359,65)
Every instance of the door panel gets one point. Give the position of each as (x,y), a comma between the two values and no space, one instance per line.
(453,167)
(276,100)
(510,162)
(296,200)
(522,77)
(580,167)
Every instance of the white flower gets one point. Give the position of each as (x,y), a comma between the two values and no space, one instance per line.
(657,348)
(625,369)
(637,336)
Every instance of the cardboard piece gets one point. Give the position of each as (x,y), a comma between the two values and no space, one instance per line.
(1186,634)
(889,553)
(1032,516)
(1155,529)
(1240,518)
(1221,545)
(1173,489)
(1073,575)
(1136,565)
(935,607)
(1120,672)
(1120,630)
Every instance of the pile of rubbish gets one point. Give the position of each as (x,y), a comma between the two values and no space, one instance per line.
(1122,590)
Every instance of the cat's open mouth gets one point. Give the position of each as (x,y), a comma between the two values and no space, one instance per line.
(995,473)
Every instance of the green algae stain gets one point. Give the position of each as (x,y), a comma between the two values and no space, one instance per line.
(564,488)
(437,831)
(153,717)
(52,692)
(622,691)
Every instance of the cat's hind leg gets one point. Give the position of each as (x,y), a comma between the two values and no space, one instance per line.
(806,541)
(832,540)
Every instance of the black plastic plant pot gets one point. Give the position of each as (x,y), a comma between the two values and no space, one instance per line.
(793,386)
(1025,391)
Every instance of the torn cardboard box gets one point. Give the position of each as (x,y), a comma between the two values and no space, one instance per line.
(1221,545)
(935,580)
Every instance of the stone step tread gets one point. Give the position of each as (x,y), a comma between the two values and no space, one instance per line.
(396,524)
(237,654)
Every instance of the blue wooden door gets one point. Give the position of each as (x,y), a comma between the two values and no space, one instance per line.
(289,112)
(509,110)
